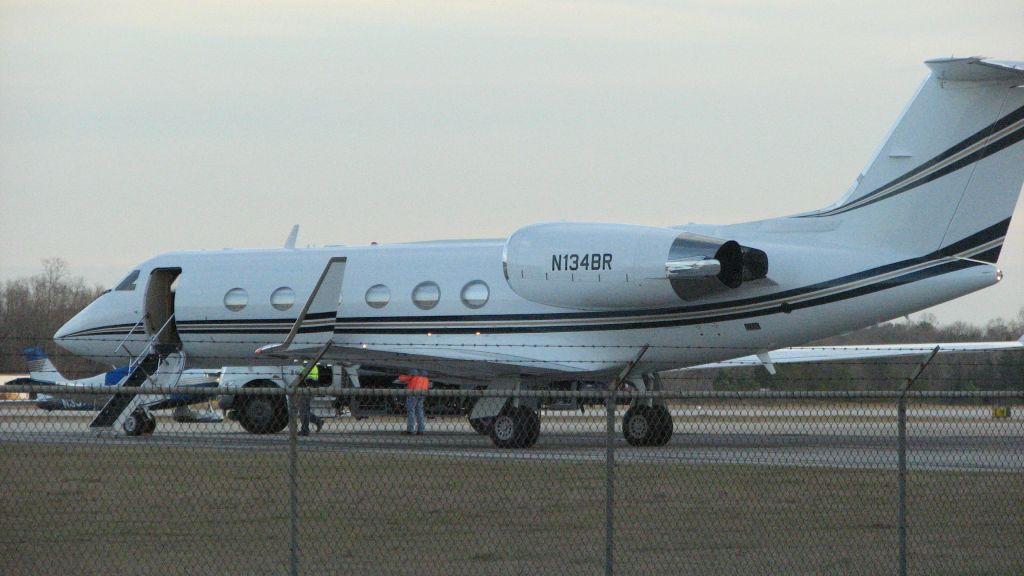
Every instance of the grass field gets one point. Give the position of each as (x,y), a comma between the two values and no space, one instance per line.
(170,510)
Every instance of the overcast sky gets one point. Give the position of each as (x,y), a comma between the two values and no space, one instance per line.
(132,128)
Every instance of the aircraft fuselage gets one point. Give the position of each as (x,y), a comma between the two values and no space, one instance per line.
(229,303)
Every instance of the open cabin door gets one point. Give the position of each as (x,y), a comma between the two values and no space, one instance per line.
(159,317)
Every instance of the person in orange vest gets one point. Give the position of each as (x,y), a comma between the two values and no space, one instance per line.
(414,411)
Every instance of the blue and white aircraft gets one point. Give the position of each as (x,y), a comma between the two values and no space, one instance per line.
(923,223)
(67,394)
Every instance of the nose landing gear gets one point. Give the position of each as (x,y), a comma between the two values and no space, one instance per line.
(138,423)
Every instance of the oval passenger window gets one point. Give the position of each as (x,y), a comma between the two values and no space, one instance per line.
(283,298)
(236,299)
(426,295)
(475,294)
(378,296)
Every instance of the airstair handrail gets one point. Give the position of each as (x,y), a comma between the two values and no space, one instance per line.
(149,345)
(129,335)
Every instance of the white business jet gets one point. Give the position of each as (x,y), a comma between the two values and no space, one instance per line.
(923,223)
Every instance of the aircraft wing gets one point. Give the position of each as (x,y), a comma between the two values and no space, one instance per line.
(808,354)
(458,363)
(474,365)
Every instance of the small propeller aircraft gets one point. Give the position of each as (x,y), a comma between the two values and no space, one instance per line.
(68,395)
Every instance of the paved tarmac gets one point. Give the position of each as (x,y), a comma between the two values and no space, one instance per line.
(862,438)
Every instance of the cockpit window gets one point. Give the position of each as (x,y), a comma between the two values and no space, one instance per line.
(128,284)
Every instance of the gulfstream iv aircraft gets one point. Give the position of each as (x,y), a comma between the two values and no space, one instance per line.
(568,301)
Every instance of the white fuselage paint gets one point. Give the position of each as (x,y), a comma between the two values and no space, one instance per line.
(557,338)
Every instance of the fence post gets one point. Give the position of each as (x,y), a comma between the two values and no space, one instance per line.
(609,462)
(293,485)
(901,481)
(609,483)
(901,461)
(293,460)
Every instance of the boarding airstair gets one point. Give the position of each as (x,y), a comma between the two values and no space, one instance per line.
(157,366)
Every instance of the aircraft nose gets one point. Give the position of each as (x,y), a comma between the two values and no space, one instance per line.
(91,317)
(63,334)
(67,335)
(63,331)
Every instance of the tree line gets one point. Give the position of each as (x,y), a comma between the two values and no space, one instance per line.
(33,308)
(956,371)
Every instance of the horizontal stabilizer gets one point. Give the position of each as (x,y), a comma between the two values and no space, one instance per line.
(811,354)
(975,69)
(40,368)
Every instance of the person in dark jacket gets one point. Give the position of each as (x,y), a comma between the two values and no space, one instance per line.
(306,404)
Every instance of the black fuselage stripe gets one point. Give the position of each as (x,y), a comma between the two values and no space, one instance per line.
(975,240)
(310,318)
(978,136)
(767,311)
(978,239)
(784,308)
(283,325)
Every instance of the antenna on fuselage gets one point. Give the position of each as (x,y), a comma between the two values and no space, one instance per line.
(292,236)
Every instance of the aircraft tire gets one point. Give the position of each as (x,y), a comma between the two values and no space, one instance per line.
(662,420)
(637,426)
(149,423)
(515,427)
(262,414)
(533,428)
(481,426)
(134,424)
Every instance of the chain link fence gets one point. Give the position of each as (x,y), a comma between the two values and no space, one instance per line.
(747,483)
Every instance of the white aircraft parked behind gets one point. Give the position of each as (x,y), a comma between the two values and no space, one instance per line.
(923,223)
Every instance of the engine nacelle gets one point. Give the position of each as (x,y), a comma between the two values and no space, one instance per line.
(593,266)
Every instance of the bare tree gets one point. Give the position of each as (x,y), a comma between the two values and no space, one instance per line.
(33,308)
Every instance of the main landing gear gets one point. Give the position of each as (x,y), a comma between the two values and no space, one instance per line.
(509,421)
(647,425)
(648,421)
(482,426)
(512,422)
(515,427)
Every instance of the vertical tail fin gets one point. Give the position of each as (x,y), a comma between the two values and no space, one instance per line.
(951,169)
(39,366)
